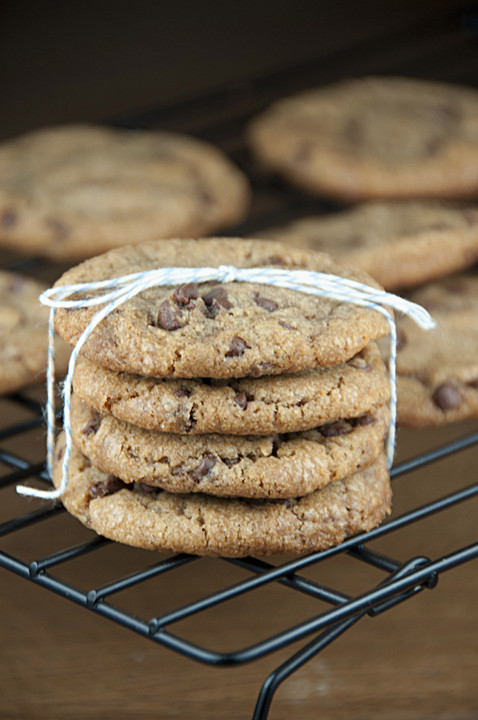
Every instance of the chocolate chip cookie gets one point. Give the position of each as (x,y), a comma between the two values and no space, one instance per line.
(279,465)
(24,334)
(144,517)
(247,406)
(400,244)
(374,137)
(70,192)
(438,369)
(219,330)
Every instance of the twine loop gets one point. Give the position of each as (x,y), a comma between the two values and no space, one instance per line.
(116,291)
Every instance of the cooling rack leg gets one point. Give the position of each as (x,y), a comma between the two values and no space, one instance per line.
(281,673)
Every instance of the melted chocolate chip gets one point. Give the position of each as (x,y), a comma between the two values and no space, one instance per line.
(183,392)
(473,383)
(206,464)
(447,396)
(93,424)
(111,485)
(302,402)
(286,325)
(341,427)
(266,303)
(8,219)
(241,400)
(185,293)
(237,347)
(169,317)
(217,296)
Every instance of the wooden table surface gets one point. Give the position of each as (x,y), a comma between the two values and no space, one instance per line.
(418,660)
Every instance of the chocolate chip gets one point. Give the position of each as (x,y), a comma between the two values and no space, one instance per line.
(241,400)
(237,347)
(8,219)
(286,325)
(93,424)
(302,402)
(362,420)
(263,368)
(169,317)
(111,485)
(447,396)
(185,293)
(473,383)
(229,462)
(183,392)
(266,303)
(341,427)
(276,260)
(59,229)
(206,464)
(218,296)
(276,443)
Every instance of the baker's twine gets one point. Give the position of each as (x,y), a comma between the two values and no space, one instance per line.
(113,293)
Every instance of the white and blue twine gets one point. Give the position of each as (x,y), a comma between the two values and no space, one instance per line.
(116,291)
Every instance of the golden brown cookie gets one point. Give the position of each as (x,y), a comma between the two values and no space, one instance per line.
(24,334)
(73,191)
(219,330)
(279,465)
(438,369)
(400,244)
(374,137)
(247,406)
(200,524)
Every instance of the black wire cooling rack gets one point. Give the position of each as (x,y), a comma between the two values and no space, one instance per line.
(220,117)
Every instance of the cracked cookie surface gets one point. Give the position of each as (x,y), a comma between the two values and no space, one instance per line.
(24,334)
(400,244)
(276,466)
(374,137)
(70,192)
(248,406)
(219,330)
(205,525)
(437,369)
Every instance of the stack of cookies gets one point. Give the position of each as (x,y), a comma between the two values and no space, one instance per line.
(226,419)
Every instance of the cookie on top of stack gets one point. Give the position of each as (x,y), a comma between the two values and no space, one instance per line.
(226,419)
